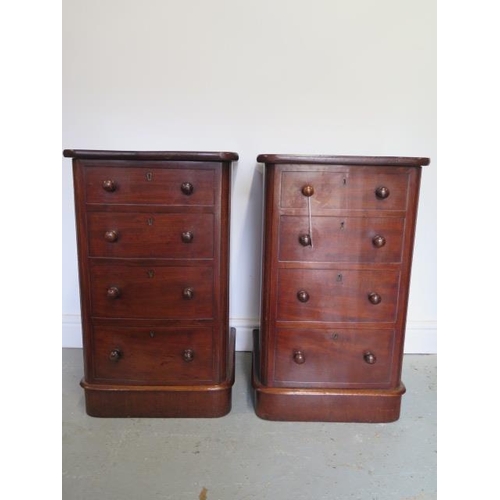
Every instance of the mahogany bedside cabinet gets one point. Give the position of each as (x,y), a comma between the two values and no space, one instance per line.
(337,252)
(153,252)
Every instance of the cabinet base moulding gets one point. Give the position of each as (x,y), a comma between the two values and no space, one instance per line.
(324,405)
(163,402)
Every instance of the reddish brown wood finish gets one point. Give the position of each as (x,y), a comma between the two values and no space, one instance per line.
(370,161)
(333,357)
(150,235)
(337,239)
(153,290)
(183,156)
(338,243)
(153,250)
(337,295)
(345,188)
(149,184)
(154,356)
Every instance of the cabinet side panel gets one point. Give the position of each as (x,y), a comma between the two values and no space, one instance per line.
(221,267)
(269,271)
(83,264)
(404,290)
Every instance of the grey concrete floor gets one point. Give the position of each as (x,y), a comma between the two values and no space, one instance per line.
(241,457)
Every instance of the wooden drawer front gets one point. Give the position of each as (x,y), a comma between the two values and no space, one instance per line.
(341,239)
(187,236)
(146,186)
(129,291)
(153,355)
(344,357)
(337,295)
(353,190)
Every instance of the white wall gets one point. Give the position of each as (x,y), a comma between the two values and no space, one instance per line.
(283,76)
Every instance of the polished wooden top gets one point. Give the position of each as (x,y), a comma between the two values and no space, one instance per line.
(343,160)
(93,154)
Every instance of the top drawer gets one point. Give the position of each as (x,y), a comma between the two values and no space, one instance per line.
(346,188)
(149,185)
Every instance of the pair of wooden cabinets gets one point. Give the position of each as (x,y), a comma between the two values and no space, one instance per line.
(153,252)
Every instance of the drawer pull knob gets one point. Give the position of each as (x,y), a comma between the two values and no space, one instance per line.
(299,358)
(187,237)
(109,185)
(308,190)
(115,355)
(188,293)
(305,240)
(111,236)
(113,292)
(378,241)
(188,355)
(302,295)
(187,188)
(382,192)
(369,358)
(374,298)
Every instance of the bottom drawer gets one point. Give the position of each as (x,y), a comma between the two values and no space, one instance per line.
(333,358)
(153,356)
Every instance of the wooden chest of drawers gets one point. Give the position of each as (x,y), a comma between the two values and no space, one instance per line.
(153,250)
(338,242)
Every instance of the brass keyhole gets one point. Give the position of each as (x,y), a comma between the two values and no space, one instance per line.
(149,176)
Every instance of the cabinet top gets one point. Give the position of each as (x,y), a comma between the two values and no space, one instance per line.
(344,160)
(94,154)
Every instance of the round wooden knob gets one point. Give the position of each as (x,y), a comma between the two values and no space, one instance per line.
(369,358)
(188,355)
(187,188)
(382,192)
(299,358)
(308,190)
(374,298)
(115,355)
(111,236)
(109,185)
(305,240)
(188,293)
(113,292)
(187,237)
(302,295)
(378,241)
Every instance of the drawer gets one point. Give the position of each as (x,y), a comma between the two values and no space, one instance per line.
(152,291)
(337,295)
(153,355)
(334,358)
(355,189)
(149,185)
(341,239)
(186,236)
